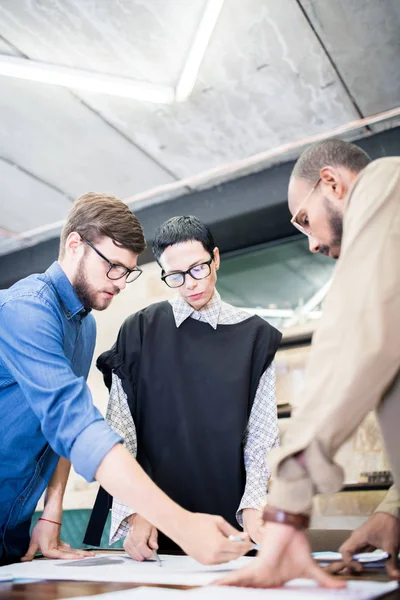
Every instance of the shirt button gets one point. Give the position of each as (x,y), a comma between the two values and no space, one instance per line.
(68,313)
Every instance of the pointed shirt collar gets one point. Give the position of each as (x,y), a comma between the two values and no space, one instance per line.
(209,313)
(69,300)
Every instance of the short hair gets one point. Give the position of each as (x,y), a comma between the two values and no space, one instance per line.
(182,229)
(95,215)
(333,153)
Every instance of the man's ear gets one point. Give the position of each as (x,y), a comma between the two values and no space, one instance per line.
(217,258)
(74,244)
(330,176)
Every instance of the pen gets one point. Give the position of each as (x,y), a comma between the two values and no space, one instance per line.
(158,559)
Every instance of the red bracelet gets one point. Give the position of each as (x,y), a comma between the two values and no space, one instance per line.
(49,521)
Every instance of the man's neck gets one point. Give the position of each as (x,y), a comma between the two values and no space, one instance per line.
(68,270)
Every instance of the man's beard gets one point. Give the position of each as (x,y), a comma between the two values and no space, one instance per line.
(86,292)
(335,220)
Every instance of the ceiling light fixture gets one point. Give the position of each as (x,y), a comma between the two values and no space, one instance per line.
(24,68)
(191,68)
(124,87)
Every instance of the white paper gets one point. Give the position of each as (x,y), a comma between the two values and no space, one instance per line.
(182,570)
(175,570)
(362,557)
(303,589)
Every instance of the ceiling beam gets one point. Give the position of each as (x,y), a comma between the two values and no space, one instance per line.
(244,212)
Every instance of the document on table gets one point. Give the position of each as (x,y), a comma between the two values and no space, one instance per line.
(175,570)
(181,570)
(374,559)
(299,589)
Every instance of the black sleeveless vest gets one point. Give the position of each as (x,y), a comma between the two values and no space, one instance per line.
(190,391)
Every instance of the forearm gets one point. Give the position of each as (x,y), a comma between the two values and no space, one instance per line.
(55,490)
(121,476)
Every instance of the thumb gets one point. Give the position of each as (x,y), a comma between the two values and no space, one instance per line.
(30,555)
(323,579)
(153,544)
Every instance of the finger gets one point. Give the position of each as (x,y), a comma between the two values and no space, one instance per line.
(336,567)
(67,548)
(341,567)
(62,554)
(145,551)
(153,543)
(246,577)
(133,553)
(392,567)
(227,529)
(80,552)
(229,550)
(30,555)
(324,579)
(347,555)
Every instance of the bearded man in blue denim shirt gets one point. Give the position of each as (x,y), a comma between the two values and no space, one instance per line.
(47,416)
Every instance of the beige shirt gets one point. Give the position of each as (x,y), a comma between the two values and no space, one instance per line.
(355,355)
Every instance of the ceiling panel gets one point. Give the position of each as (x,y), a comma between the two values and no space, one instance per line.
(264,81)
(7,245)
(26,202)
(144,39)
(52,134)
(363,38)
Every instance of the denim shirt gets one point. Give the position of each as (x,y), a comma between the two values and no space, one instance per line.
(46,410)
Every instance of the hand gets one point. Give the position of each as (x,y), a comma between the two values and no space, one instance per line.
(285,555)
(205,537)
(252,524)
(46,539)
(141,539)
(382,531)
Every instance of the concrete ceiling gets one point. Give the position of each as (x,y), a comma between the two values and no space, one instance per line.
(273,73)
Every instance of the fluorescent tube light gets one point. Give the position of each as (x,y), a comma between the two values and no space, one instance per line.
(191,68)
(23,68)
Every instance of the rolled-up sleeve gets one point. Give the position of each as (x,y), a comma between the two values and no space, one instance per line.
(32,350)
(391,503)
(355,354)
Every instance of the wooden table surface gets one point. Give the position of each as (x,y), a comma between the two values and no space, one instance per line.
(54,590)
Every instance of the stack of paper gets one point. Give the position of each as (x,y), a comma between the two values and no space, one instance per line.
(297,590)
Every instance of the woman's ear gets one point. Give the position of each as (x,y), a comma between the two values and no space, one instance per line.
(217,258)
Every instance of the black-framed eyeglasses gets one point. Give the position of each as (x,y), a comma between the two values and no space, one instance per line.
(177,279)
(117,271)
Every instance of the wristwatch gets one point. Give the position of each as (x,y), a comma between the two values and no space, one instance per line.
(275,515)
